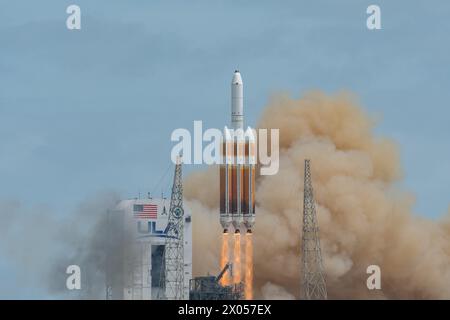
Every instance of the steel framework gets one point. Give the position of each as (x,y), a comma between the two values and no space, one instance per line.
(313,285)
(173,286)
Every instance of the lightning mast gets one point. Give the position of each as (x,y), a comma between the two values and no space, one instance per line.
(173,285)
(313,285)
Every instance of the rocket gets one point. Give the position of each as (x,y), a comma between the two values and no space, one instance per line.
(237,170)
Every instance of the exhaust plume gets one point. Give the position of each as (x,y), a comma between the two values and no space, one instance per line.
(364,218)
(237,258)
(248,266)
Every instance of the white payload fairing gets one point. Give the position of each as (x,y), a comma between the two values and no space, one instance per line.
(237,170)
(237,102)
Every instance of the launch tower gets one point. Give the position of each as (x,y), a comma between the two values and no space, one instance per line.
(312,275)
(174,248)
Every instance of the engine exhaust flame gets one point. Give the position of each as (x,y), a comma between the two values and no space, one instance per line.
(237,258)
(248,266)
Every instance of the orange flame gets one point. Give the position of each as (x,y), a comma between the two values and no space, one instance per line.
(237,258)
(248,266)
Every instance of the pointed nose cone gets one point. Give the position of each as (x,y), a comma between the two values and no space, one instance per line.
(237,101)
(237,79)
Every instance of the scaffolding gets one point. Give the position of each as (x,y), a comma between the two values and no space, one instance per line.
(312,285)
(173,286)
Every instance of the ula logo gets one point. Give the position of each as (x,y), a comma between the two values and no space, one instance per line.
(149,228)
(215,138)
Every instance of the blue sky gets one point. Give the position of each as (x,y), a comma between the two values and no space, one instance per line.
(92,110)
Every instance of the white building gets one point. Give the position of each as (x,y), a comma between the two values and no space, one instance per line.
(143,268)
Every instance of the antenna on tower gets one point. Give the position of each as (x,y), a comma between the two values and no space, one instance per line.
(312,285)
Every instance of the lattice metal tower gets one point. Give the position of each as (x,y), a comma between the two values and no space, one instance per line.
(313,285)
(173,285)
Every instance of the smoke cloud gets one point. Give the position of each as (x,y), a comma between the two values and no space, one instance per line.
(364,218)
(41,244)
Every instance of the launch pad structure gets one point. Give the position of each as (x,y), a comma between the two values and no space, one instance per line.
(149,247)
(312,285)
(209,288)
(174,249)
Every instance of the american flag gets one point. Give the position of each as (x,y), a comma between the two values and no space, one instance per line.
(145,211)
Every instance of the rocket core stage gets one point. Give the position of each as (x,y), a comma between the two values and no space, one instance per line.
(237,171)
